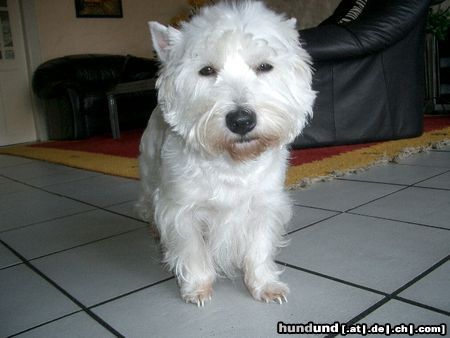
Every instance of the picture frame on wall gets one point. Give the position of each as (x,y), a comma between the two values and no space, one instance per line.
(98,8)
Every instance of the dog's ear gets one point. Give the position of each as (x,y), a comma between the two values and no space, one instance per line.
(163,37)
(292,22)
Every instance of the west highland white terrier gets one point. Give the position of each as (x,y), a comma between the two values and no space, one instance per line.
(234,90)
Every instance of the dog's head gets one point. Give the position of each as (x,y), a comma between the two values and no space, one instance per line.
(234,79)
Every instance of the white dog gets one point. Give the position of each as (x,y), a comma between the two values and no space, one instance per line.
(234,90)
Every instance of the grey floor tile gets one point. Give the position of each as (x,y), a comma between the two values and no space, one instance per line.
(7,258)
(341,195)
(63,233)
(433,289)
(8,186)
(303,217)
(429,159)
(395,313)
(10,161)
(380,254)
(417,205)
(78,325)
(232,312)
(67,175)
(126,209)
(32,206)
(396,174)
(102,190)
(438,182)
(27,300)
(42,173)
(99,271)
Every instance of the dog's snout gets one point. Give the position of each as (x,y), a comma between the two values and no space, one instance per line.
(241,121)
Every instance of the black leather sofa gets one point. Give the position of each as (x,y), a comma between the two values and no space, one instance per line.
(369,72)
(73,89)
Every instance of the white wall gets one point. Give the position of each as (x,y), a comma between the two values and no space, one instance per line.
(62,33)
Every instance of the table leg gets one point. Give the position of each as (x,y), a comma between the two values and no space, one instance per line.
(113,116)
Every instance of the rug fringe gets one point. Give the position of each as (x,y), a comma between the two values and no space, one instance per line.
(306,182)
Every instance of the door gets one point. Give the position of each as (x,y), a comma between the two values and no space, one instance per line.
(16,112)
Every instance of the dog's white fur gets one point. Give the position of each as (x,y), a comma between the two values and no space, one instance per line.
(217,197)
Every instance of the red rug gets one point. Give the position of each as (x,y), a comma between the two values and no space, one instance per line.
(119,157)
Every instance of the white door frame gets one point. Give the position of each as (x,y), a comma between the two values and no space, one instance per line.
(34,59)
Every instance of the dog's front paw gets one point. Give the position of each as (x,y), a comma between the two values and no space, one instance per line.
(271,292)
(197,295)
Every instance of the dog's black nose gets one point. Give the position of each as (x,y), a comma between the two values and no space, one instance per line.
(241,121)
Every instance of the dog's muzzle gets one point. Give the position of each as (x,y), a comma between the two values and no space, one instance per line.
(241,121)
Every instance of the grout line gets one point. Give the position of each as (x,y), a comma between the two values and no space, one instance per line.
(421,305)
(399,221)
(394,295)
(377,199)
(87,243)
(104,208)
(46,220)
(335,279)
(428,188)
(131,292)
(420,276)
(312,224)
(363,314)
(45,323)
(65,293)
(372,182)
(315,208)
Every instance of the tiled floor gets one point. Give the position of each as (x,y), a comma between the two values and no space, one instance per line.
(366,248)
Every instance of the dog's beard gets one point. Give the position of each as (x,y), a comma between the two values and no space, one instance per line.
(248,148)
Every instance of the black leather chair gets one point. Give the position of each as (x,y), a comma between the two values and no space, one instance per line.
(74,89)
(369,73)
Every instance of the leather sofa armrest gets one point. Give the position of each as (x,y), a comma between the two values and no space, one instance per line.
(382,24)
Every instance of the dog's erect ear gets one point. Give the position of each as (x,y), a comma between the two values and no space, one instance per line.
(292,22)
(163,37)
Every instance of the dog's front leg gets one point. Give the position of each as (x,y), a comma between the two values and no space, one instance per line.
(261,274)
(187,255)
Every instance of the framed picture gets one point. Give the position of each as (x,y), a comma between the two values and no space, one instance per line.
(98,8)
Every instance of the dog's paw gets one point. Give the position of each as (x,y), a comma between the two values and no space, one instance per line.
(198,295)
(275,292)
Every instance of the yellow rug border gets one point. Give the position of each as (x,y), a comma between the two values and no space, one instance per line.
(358,159)
(296,176)
(106,164)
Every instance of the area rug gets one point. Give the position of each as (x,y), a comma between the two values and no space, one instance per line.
(119,157)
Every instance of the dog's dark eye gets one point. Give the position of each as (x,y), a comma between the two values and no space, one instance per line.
(207,71)
(264,67)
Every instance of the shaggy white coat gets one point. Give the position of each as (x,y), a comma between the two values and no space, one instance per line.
(216,197)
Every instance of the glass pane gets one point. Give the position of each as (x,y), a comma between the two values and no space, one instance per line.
(6,29)
(3,3)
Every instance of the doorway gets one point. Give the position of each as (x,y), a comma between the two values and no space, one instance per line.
(17,123)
